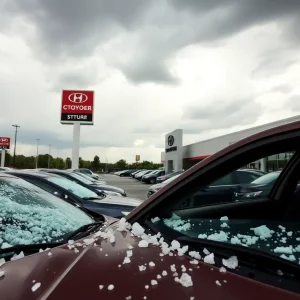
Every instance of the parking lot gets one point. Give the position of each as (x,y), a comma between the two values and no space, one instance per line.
(133,187)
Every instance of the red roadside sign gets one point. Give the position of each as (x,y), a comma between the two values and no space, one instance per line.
(77,106)
(4,143)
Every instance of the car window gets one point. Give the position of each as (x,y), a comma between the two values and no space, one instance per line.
(266,179)
(30,215)
(43,185)
(80,178)
(226,180)
(242,177)
(73,187)
(276,237)
(224,190)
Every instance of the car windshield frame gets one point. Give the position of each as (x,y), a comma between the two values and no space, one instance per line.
(72,186)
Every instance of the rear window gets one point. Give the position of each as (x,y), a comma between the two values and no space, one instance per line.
(266,179)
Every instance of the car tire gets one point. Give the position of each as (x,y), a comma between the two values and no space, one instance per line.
(152,180)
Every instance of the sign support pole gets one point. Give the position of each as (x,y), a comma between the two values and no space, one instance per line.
(2,158)
(75,147)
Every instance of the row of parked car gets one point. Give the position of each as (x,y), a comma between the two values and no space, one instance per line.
(78,187)
(148,176)
(246,249)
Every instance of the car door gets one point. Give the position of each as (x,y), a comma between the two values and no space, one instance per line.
(221,190)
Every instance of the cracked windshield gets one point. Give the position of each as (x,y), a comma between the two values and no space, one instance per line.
(155,143)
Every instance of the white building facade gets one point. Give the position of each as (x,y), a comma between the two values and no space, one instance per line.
(177,157)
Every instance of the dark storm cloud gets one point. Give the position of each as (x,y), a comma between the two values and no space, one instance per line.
(75,28)
(211,116)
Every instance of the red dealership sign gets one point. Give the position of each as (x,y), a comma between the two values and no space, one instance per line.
(77,106)
(4,143)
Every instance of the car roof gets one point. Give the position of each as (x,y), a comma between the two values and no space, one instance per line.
(34,173)
(5,174)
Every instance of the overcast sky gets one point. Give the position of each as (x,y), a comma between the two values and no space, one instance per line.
(208,67)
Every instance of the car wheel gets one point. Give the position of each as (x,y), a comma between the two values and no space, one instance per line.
(152,180)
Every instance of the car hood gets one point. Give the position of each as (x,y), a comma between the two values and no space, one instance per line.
(66,274)
(110,199)
(157,186)
(109,187)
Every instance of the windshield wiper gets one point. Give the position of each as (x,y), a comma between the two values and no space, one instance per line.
(82,231)
(246,255)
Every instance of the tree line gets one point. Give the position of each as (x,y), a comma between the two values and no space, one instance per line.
(29,162)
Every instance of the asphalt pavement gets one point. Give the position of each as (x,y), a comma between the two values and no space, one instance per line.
(132,187)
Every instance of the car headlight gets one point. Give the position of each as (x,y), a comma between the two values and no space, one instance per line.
(248,195)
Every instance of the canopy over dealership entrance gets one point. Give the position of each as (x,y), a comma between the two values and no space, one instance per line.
(177,157)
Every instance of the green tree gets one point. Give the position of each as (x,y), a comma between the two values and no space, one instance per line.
(68,163)
(121,164)
(96,163)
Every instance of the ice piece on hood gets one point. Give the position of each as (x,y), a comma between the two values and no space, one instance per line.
(89,241)
(175,244)
(123,225)
(165,249)
(20,255)
(151,264)
(225,218)
(36,286)
(195,254)
(262,231)
(173,268)
(194,262)
(231,262)
(137,229)
(185,280)
(129,253)
(205,251)
(223,225)
(101,287)
(183,250)
(209,259)
(222,270)
(282,228)
(110,287)
(218,283)
(143,244)
(164,273)
(142,268)
(153,282)
(127,260)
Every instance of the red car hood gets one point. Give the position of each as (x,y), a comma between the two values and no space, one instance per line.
(69,275)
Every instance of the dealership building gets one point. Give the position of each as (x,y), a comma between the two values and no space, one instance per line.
(178,157)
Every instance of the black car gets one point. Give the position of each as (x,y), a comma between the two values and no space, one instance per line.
(78,195)
(164,177)
(97,188)
(139,175)
(225,187)
(127,173)
(259,188)
(135,173)
(151,177)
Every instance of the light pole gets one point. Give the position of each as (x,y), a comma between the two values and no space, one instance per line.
(16,126)
(49,157)
(37,153)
